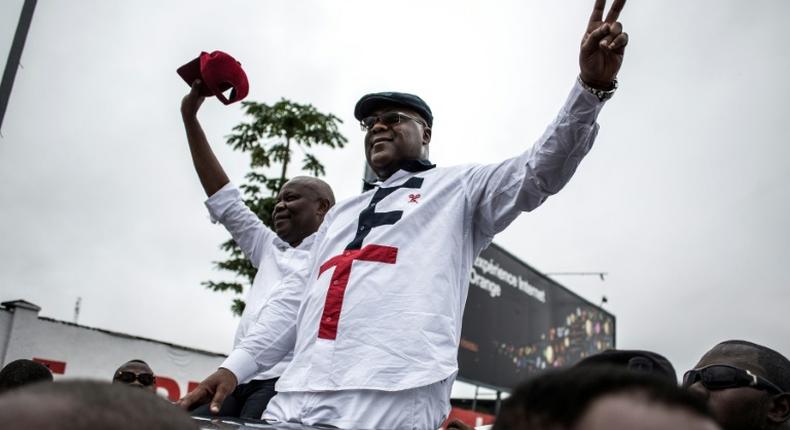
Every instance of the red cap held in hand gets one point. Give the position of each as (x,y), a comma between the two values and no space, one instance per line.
(219,72)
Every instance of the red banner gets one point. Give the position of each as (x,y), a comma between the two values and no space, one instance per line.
(57,367)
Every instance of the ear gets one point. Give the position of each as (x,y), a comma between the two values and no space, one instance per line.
(426,135)
(323,207)
(779,409)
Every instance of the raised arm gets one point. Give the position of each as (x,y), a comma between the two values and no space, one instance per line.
(210,172)
(500,192)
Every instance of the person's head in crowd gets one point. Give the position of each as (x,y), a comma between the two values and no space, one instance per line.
(301,205)
(746,385)
(398,129)
(602,397)
(88,405)
(22,372)
(636,360)
(136,373)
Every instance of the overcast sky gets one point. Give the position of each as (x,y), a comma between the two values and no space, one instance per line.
(684,200)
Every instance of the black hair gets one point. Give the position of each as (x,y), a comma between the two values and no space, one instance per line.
(88,405)
(136,360)
(22,372)
(132,361)
(560,398)
(776,365)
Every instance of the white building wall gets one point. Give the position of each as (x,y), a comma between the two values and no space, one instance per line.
(5,321)
(94,353)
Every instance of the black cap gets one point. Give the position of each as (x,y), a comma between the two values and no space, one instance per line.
(372,102)
(641,361)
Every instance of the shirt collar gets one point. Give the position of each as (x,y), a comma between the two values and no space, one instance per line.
(415,166)
(305,245)
(405,167)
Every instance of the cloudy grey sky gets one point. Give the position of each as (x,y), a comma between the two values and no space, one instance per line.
(684,200)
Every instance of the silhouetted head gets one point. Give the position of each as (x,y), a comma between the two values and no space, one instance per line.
(22,372)
(88,405)
(636,360)
(602,398)
(745,384)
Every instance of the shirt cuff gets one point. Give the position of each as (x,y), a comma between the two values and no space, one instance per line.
(241,364)
(582,105)
(220,201)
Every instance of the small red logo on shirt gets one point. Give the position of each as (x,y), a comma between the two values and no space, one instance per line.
(413,198)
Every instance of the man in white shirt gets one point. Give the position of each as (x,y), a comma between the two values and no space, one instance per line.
(376,340)
(281,258)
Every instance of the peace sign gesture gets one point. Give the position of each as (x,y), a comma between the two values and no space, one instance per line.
(603,45)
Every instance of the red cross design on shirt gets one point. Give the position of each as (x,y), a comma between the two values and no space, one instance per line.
(413,198)
(337,285)
(368,220)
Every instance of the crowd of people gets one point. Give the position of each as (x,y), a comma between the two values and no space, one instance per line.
(354,316)
(31,400)
(736,385)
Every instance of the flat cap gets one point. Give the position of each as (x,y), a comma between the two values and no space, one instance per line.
(370,103)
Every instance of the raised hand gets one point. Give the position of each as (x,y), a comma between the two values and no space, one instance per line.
(602,47)
(191,102)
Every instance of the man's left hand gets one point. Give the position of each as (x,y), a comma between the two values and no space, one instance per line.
(603,45)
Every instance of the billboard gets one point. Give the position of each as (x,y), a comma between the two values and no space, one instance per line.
(518,321)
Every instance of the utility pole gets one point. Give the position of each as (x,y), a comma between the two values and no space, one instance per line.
(77,309)
(12,64)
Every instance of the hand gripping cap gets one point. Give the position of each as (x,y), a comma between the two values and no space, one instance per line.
(219,73)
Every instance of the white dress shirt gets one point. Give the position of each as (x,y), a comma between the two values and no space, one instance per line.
(281,269)
(389,270)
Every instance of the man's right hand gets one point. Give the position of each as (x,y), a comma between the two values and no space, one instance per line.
(191,102)
(213,389)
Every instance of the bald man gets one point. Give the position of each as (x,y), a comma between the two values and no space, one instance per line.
(281,256)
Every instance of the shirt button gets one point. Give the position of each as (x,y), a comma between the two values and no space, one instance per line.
(328,319)
(335,282)
(361,228)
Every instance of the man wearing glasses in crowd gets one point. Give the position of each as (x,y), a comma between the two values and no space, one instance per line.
(377,332)
(136,373)
(746,385)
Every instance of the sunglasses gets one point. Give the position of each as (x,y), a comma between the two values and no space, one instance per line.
(145,379)
(389,119)
(722,376)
